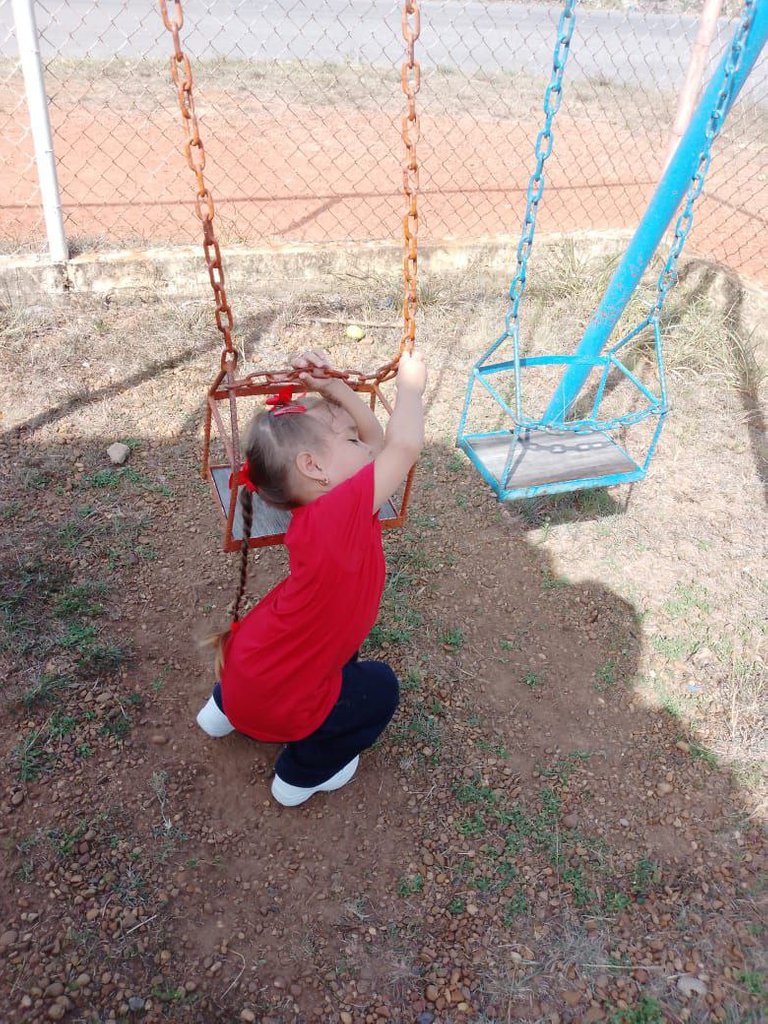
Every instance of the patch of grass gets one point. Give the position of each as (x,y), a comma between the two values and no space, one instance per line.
(644,876)
(409,885)
(78,600)
(61,725)
(63,842)
(607,676)
(452,638)
(562,769)
(457,905)
(49,687)
(514,908)
(398,618)
(583,896)
(531,680)
(674,648)
(456,462)
(31,757)
(615,901)
(551,582)
(753,982)
(686,598)
(645,1011)
(421,728)
(111,479)
(92,653)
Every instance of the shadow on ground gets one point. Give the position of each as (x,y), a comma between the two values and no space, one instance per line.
(528,842)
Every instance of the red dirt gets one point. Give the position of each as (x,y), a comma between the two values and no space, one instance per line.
(293,177)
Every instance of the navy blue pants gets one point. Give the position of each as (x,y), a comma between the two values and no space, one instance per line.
(369,697)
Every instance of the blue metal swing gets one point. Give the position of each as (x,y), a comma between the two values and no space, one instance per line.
(565,449)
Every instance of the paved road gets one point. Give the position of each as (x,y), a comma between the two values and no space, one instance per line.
(627,47)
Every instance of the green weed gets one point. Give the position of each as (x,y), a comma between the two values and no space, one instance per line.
(31,757)
(453,638)
(645,1011)
(606,676)
(409,885)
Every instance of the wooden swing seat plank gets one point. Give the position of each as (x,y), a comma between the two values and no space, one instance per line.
(553,456)
(267,521)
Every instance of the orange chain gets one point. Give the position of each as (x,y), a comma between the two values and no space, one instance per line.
(411,82)
(194,151)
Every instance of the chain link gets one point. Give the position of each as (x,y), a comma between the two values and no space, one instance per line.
(410,77)
(194,151)
(684,223)
(544,143)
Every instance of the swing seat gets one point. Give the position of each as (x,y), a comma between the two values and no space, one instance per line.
(269,524)
(549,461)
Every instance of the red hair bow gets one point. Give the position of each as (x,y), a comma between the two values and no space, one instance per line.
(244,478)
(282,401)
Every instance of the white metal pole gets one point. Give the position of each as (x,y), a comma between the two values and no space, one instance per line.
(37,104)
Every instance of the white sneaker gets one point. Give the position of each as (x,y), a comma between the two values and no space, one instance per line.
(214,722)
(292,796)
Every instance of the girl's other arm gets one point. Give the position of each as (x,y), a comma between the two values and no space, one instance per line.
(404,437)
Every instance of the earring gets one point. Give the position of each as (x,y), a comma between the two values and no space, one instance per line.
(325,481)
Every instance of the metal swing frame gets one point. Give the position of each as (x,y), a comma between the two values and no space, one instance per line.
(269,525)
(499,455)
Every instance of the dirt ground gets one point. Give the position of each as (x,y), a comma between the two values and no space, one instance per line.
(564,821)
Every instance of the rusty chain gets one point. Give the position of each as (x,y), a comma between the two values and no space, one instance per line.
(194,152)
(411,82)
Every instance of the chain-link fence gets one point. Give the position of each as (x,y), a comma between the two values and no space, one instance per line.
(300,107)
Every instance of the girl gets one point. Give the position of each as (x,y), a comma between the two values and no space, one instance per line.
(289,670)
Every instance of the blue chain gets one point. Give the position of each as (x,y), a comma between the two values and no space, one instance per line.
(668,275)
(553,97)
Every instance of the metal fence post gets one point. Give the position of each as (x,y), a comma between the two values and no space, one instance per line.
(40,124)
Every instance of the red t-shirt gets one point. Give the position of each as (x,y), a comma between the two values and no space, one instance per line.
(282,667)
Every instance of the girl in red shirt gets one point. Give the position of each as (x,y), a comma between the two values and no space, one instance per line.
(289,669)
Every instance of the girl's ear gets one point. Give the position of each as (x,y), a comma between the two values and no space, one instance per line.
(307,465)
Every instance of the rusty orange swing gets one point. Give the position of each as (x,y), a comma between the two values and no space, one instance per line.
(269,525)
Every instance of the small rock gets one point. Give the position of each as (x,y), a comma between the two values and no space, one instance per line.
(158,739)
(571,996)
(17,798)
(56,988)
(624,822)
(249,1017)
(136,1003)
(689,984)
(8,938)
(345,1017)
(355,332)
(425,1018)
(431,994)
(118,453)
(571,820)
(57,1011)
(82,980)
(682,745)
(665,788)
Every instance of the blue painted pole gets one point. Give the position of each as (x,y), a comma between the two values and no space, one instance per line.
(663,205)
